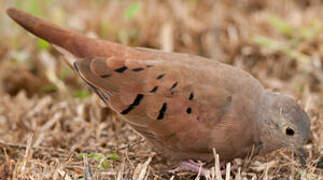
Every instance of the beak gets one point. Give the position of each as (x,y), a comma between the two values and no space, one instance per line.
(300,152)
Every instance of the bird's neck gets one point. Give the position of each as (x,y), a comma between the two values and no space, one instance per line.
(264,126)
(263,134)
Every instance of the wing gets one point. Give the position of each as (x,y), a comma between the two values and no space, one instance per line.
(168,99)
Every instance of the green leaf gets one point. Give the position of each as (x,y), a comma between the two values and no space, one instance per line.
(267,42)
(82,94)
(283,26)
(42,44)
(96,156)
(132,10)
(281,47)
(33,7)
(49,88)
(114,156)
(82,155)
(104,165)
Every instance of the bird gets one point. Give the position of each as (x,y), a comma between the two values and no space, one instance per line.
(184,105)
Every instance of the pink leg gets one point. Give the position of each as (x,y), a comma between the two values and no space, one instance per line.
(192,166)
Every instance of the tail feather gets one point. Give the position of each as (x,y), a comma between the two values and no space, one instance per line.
(77,44)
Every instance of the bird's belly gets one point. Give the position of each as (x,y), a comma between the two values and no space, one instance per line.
(191,141)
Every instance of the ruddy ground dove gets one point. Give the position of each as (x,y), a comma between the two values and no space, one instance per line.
(183,105)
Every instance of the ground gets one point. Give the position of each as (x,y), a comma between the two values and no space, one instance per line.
(52,127)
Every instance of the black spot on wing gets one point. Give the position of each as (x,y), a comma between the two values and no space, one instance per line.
(121,70)
(126,111)
(160,76)
(136,102)
(137,69)
(174,85)
(154,89)
(105,75)
(162,111)
(189,110)
(191,96)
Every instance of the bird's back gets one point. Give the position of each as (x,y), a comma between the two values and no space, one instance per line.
(182,104)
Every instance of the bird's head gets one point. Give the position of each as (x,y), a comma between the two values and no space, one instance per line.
(286,123)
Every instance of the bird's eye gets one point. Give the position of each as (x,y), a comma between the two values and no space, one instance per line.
(289,131)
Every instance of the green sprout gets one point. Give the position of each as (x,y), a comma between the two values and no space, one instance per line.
(42,44)
(283,26)
(132,10)
(103,160)
(82,94)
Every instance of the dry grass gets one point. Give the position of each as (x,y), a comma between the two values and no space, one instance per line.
(52,129)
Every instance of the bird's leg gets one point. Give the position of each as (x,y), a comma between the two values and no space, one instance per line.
(192,166)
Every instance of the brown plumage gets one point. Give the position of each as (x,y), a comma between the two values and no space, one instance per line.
(184,105)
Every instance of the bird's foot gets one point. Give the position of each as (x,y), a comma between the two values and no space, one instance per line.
(192,166)
(196,167)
